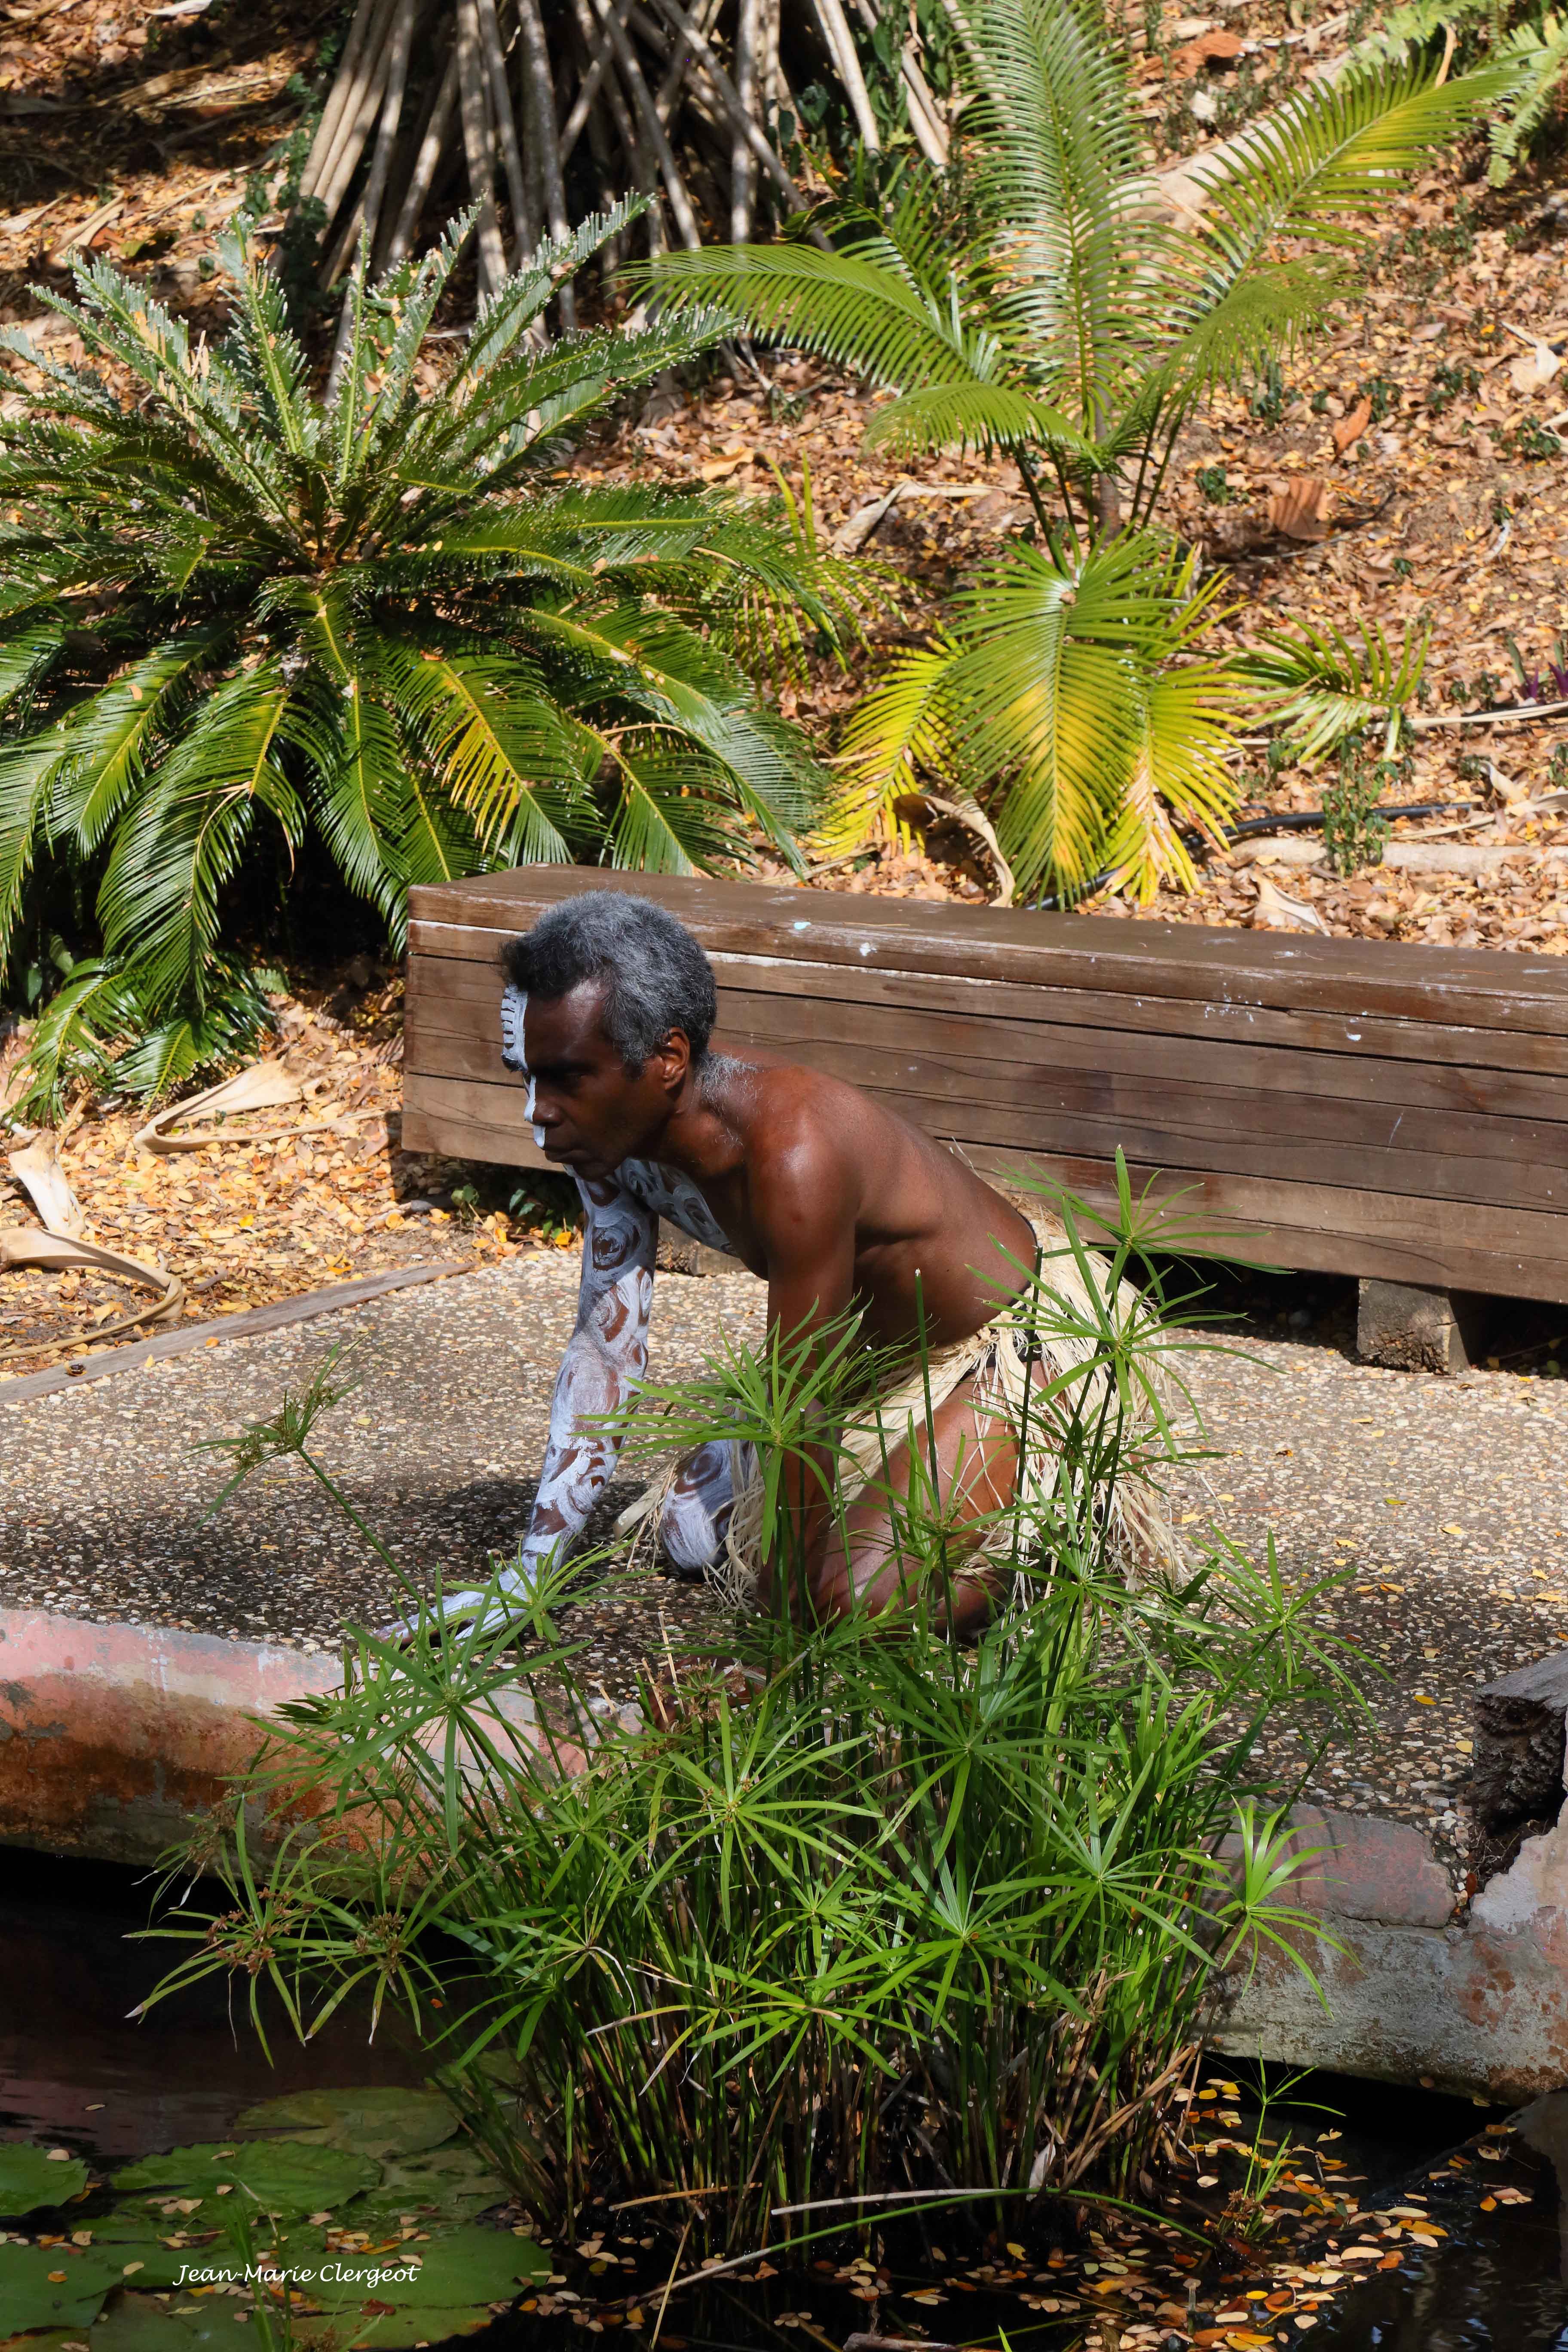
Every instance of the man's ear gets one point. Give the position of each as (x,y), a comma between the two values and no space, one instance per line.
(673,1055)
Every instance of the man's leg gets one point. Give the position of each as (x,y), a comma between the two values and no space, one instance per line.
(976,1476)
(694,1519)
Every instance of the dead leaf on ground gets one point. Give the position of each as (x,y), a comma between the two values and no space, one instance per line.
(1275,912)
(1349,429)
(1301,509)
(39,1169)
(1208,49)
(1533,368)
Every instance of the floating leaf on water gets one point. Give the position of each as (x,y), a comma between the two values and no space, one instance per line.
(465,2267)
(283,2176)
(30,2178)
(376,2123)
(52,2286)
(389,2330)
(138,2323)
(127,2235)
(441,2184)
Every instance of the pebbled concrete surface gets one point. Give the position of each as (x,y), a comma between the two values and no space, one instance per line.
(1443,1503)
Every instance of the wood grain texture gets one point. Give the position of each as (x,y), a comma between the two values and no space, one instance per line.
(1356,1107)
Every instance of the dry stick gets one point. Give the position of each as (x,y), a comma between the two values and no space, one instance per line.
(538,97)
(524,217)
(729,104)
(380,167)
(835,29)
(421,179)
(344,82)
(651,128)
(477,148)
(742,175)
(365,87)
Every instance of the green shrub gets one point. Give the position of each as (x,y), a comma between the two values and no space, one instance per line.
(872,1910)
(1076,331)
(235,610)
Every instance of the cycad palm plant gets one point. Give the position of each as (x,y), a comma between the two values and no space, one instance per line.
(230,606)
(1077,329)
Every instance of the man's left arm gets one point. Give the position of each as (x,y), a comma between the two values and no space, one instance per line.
(808,1217)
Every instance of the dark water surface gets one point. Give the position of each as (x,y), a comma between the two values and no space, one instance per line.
(77,2071)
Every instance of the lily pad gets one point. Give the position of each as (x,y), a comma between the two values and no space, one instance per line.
(378,2123)
(30,2178)
(126,2237)
(442,2185)
(52,2286)
(469,2265)
(393,2329)
(139,2323)
(283,2176)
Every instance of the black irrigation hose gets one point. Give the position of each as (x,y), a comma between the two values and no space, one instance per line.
(1250,828)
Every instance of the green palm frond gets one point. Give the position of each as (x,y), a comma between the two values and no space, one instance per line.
(503,749)
(233,610)
(861,305)
(1331,152)
(897,736)
(1321,686)
(1075,685)
(109,738)
(183,841)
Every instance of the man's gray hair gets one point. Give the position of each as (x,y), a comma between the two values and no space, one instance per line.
(656,977)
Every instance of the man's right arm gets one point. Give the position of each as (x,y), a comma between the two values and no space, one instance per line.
(603,1364)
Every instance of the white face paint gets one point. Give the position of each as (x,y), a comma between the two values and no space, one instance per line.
(514,1013)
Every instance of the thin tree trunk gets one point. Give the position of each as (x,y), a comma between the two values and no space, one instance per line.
(369,207)
(741,122)
(769,11)
(369,90)
(600,50)
(345,88)
(841,42)
(538,97)
(427,163)
(651,129)
(478,146)
(524,214)
(742,163)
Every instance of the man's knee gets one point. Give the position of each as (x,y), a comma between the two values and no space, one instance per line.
(688,1533)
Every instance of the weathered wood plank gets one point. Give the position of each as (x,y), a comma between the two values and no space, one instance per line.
(494,1113)
(1438,1154)
(1440,1040)
(1315,1228)
(1184,960)
(451,1002)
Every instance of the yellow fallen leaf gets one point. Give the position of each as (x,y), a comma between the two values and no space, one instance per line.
(1452,1529)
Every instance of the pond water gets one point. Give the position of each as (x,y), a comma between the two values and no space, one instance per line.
(77,2072)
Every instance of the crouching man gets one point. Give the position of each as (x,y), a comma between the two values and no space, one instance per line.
(835,1204)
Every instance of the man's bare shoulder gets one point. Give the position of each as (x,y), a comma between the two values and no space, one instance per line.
(807,1134)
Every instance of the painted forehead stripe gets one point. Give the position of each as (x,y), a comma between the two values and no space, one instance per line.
(514,1013)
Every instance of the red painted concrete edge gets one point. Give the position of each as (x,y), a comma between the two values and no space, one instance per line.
(114,1739)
